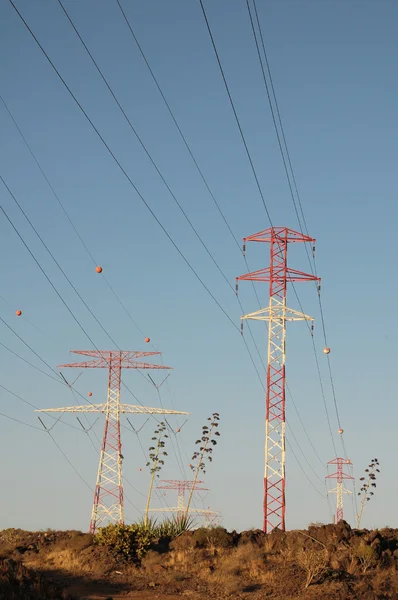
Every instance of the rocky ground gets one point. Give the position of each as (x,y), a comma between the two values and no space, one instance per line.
(326,562)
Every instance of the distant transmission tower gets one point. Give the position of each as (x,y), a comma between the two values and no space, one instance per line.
(339,490)
(108,497)
(278,274)
(210,516)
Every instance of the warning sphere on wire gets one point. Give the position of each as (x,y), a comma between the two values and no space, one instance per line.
(90,394)
(147,339)
(326,350)
(98,269)
(178,430)
(18,313)
(140,469)
(341,431)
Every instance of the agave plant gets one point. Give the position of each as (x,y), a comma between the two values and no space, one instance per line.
(175,526)
(206,444)
(157,453)
(369,481)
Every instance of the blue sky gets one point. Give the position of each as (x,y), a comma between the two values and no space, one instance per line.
(333,65)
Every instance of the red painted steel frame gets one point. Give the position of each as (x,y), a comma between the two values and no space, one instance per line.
(277,274)
(114,361)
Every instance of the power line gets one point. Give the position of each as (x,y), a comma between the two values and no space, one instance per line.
(287,161)
(119,163)
(234,111)
(67,215)
(28,362)
(304,456)
(37,262)
(303,470)
(57,419)
(272,111)
(280,119)
(122,168)
(304,427)
(131,126)
(178,126)
(51,283)
(247,149)
(126,175)
(183,137)
(22,422)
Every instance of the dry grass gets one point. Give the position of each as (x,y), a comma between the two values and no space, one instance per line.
(353,564)
(241,566)
(67,560)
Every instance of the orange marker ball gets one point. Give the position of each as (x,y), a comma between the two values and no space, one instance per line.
(140,469)
(98,269)
(90,394)
(147,339)
(18,313)
(178,430)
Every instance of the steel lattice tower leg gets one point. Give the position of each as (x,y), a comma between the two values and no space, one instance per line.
(108,496)
(275,452)
(277,314)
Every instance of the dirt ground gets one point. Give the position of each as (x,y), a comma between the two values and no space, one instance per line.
(325,562)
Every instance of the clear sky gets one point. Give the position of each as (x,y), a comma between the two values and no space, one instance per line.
(334,70)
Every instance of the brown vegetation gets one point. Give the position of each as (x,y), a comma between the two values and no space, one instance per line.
(327,562)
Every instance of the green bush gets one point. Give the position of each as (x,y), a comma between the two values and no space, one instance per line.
(215,536)
(131,542)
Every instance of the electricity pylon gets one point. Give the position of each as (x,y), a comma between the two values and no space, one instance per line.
(278,274)
(210,516)
(339,490)
(108,496)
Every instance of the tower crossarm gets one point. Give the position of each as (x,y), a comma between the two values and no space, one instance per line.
(338,475)
(272,312)
(103,363)
(108,354)
(124,408)
(143,410)
(337,488)
(174,484)
(267,276)
(90,408)
(198,511)
(269,235)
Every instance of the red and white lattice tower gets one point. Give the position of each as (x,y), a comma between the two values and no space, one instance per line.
(277,314)
(108,496)
(210,516)
(339,490)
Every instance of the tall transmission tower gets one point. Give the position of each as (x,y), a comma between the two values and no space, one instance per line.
(278,274)
(210,516)
(340,489)
(108,496)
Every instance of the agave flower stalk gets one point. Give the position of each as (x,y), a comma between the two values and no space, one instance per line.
(199,457)
(156,461)
(368,482)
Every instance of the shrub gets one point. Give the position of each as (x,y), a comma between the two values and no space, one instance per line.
(214,536)
(128,541)
(366,556)
(315,564)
